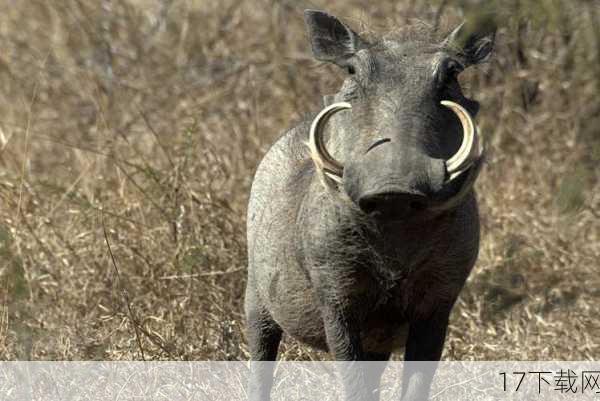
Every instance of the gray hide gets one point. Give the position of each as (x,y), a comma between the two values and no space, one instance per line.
(375,263)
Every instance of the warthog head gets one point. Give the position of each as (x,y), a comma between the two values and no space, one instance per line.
(402,143)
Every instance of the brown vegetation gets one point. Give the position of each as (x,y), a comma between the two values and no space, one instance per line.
(138,124)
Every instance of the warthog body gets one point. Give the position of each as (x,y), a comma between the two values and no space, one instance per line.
(360,244)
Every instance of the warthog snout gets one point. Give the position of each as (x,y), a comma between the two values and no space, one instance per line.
(389,183)
(393,182)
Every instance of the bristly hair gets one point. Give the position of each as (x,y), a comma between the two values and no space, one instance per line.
(418,31)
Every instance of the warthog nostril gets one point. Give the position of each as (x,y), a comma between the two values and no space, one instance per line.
(392,205)
(418,205)
(377,143)
(368,206)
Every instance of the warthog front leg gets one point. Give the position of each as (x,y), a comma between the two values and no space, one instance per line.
(264,335)
(374,370)
(343,340)
(423,350)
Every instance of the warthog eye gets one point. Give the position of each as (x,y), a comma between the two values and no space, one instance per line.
(350,69)
(454,68)
(448,71)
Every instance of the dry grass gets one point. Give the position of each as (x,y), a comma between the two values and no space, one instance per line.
(139,123)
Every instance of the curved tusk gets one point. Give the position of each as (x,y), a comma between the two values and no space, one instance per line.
(469,149)
(322,158)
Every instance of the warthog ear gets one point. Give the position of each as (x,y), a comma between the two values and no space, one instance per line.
(473,40)
(331,40)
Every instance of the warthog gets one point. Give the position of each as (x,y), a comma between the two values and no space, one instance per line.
(363,223)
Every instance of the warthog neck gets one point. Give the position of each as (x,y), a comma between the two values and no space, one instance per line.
(334,231)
